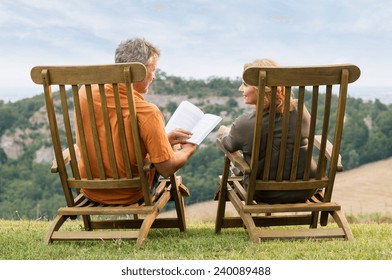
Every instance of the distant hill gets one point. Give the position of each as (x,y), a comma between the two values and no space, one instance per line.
(26,149)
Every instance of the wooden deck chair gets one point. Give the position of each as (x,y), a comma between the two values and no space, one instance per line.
(294,220)
(63,108)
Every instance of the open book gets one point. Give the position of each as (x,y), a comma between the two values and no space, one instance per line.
(189,117)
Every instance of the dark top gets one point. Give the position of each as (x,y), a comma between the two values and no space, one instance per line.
(241,138)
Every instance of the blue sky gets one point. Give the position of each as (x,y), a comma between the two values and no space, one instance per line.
(197,38)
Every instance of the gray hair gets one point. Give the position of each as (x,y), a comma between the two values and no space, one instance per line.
(136,50)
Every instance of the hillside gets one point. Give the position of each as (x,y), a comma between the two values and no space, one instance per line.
(26,150)
(363,190)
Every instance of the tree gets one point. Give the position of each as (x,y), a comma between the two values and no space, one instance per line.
(378,147)
(3,156)
(171,106)
(384,123)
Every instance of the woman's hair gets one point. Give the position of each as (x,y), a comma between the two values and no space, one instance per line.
(135,50)
(280,94)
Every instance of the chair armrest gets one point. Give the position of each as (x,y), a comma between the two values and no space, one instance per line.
(328,151)
(66,159)
(236,158)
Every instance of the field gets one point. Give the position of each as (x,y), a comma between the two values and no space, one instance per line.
(23,240)
(365,194)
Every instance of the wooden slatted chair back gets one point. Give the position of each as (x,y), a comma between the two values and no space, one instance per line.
(61,89)
(315,89)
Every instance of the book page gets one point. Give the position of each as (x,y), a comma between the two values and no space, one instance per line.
(203,128)
(189,117)
(186,117)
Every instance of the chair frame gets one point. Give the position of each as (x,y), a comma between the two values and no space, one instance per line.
(110,221)
(285,221)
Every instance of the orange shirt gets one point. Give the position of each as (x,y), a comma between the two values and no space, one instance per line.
(155,143)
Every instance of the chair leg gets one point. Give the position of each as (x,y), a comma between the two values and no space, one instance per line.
(222,196)
(150,218)
(324,218)
(86,222)
(179,202)
(56,225)
(145,228)
(250,226)
(220,213)
(342,222)
(315,216)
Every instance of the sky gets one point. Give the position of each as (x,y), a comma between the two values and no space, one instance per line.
(198,39)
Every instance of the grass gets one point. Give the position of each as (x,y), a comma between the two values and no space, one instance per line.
(23,240)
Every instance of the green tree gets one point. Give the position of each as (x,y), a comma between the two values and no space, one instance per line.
(3,156)
(384,122)
(232,103)
(171,106)
(378,147)
(200,174)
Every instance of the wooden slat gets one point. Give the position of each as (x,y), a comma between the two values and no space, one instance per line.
(90,74)
(135,136)
(80,127)
(326,117)
(108,132)
(298,133)
(104,183)
(68,132)
(106,210)
(239,188)
(95,235)
(266,221)
(257,134)
(273,185)
(94,130)
(301,233)
(285,132)
(312,130)
(134,224)
(270,134)
(121,132)
(338,132)
(51,113)
(282,220)
(235,157)
(304,75)
(328,151)
(291,207)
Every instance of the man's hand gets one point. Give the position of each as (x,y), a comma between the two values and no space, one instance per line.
(179,136)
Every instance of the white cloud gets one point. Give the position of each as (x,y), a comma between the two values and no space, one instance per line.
(197,38)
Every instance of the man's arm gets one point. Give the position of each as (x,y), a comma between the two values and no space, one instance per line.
(170,166)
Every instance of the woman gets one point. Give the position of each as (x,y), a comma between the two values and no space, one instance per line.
(240,137)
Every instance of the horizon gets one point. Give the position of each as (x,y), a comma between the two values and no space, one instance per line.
(382,93)
(197,38)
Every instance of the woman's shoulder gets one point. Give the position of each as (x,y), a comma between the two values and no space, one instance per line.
(245,120)
(247,116)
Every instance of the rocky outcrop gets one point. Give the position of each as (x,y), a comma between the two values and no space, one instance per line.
(15,142)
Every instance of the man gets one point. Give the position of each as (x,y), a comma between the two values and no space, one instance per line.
(156,144)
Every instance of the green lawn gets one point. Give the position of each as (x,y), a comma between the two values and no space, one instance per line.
(23,240)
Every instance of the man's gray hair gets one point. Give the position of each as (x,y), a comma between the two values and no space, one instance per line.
(136,50)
